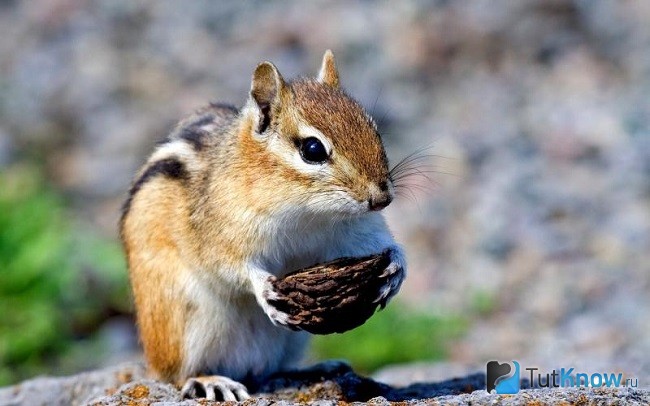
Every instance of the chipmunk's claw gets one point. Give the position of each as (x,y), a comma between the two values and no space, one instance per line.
(214,388)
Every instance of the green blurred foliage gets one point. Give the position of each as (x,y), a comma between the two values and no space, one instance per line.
(395,335)
(483,303)
(56,282)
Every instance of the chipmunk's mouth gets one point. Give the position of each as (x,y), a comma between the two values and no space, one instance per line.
(380,196)
(379,203)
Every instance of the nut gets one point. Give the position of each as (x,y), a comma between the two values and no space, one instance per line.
(333,297)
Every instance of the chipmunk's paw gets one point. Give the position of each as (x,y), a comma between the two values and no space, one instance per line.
(276,316)
(266,294)
(393,275)
(214,388)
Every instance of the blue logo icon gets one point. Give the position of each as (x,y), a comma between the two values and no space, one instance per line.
(503,377)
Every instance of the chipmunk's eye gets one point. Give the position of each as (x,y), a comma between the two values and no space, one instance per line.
(313,151)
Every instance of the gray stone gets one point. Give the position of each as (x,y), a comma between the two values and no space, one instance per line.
(325,384)
(72,390)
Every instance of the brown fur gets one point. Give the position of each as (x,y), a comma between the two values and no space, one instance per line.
(332,112)
(154,264)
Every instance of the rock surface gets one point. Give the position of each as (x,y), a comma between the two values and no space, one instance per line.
(324,384)
(72,390)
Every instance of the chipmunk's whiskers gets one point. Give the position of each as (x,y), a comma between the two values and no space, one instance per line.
(415,173)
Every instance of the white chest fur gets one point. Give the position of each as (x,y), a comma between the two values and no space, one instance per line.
(233,337)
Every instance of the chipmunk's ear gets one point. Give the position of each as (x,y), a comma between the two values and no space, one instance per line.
(328,74)
(266,90)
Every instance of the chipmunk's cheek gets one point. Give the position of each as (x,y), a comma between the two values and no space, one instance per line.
(352,205)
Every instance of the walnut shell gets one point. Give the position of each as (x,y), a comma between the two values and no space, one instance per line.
(333,297)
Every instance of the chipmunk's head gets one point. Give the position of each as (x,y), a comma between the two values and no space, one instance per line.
(317,148)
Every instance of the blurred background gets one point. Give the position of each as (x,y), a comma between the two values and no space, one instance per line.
(531,240)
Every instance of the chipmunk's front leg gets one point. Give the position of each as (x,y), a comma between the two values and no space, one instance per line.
(394,275)
(374,237)
(261,282)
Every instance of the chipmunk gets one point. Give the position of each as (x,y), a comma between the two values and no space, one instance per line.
(235,198)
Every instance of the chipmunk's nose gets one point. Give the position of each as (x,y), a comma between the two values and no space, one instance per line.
(380,198)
